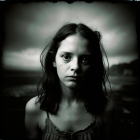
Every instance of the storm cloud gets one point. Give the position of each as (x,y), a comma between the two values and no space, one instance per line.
(30,26)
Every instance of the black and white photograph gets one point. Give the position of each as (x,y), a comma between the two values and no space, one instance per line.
(70,70)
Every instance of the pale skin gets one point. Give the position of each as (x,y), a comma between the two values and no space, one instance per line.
(72,58)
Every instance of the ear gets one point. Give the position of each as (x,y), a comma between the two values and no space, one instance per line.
(54,64)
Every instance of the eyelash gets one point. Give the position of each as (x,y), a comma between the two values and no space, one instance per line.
(69,60)
(64,56)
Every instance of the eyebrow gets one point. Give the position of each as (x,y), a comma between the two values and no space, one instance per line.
(88,54)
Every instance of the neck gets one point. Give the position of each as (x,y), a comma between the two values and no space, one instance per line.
(70,96)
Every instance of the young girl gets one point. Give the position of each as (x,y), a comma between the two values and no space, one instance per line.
(72,102)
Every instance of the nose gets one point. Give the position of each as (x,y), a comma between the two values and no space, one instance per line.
(75,66)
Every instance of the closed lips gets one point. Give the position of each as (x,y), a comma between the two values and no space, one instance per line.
(74,76)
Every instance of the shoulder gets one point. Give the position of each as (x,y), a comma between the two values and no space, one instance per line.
(110,107)
(108,119)
(108,115)
(32,116)
(108,111)
(32,110)
(32,106)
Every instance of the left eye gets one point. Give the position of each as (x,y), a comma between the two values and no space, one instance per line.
(85,60)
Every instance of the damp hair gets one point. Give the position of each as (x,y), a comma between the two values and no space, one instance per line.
(48,89)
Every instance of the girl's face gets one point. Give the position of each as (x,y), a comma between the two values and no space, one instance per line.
(73,61)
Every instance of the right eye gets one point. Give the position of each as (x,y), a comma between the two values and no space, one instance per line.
(66,57)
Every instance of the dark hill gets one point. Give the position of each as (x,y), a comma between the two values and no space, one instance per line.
(127,69)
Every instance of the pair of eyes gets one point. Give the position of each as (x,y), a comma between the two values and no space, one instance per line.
(85,59)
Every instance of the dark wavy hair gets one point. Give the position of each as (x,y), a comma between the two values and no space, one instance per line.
(94,91)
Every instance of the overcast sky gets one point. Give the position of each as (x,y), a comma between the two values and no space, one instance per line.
(30,26)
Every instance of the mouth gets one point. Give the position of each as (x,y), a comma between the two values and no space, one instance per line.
(74,77)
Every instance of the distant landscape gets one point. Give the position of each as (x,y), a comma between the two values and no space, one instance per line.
(126,69)
(21,82)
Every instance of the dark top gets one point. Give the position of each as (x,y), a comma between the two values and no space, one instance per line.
(51,132)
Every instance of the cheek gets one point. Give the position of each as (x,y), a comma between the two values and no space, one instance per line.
(61,69)
(87,72)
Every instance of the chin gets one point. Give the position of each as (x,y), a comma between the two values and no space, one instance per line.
(73,85)
(70,84)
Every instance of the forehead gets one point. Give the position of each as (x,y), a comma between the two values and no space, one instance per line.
(75,43)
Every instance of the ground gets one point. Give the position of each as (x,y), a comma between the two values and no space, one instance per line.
(125,96)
